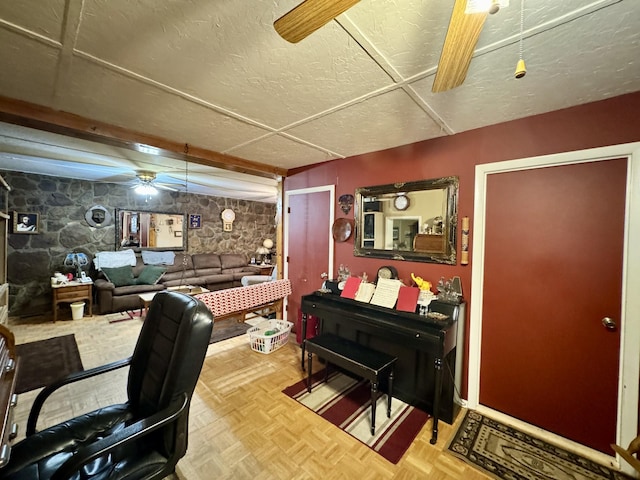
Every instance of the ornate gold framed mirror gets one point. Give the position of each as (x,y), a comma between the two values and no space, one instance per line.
(150,230)
(413,221)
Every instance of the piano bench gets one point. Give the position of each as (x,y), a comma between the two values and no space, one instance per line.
(355,358)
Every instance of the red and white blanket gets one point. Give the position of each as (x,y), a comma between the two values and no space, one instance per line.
(240,299)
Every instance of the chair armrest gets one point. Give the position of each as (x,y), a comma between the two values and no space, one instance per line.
(121,438)
(102,284)
(72,378)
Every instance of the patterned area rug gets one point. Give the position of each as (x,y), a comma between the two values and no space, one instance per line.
(123,316)
(45,361)
(506,453)
(346,403)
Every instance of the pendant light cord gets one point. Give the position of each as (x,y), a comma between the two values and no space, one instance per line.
(521,26)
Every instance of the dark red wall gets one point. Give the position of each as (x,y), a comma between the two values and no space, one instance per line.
(608,122)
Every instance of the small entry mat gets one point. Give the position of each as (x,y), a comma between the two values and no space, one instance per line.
(503,452)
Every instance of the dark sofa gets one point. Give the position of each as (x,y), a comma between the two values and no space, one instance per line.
(212,271)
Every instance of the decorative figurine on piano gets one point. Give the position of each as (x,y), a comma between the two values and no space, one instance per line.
(425,296)
(421,283)
(343,273)
(450,290)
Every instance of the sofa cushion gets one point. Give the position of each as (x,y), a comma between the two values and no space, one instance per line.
(186,280)
(218,278)
(200,272)
(182,261)
(233,262)
(150,275)
(207,261)
(119,276)
(114,259)
(151,257)
(135,290)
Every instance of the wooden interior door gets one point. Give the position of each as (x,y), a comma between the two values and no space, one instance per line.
(308,253)
(553,271)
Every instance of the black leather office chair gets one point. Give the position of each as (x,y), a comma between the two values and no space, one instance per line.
(143,438)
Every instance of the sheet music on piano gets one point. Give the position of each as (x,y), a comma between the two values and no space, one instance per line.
(386,294)
(365,292)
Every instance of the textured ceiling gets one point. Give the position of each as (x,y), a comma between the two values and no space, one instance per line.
(216,75)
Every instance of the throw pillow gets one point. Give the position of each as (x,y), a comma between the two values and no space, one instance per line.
(150,275)
(119,276)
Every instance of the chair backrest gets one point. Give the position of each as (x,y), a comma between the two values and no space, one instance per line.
(170,351)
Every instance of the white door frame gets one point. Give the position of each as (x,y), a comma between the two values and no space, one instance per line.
(627,420)
(305,191)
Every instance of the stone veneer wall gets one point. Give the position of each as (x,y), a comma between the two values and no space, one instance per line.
(62,204)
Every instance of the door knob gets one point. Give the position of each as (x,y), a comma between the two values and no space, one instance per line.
(608,323)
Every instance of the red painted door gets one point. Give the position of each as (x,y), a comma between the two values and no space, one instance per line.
(308,245)
(553,271)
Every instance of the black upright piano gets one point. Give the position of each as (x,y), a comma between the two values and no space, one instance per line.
(425,347)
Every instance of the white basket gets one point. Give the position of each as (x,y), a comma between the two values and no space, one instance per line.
(268,336)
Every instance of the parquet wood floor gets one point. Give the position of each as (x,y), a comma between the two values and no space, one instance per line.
(241,424)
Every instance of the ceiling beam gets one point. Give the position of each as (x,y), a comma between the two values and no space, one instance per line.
(44,118)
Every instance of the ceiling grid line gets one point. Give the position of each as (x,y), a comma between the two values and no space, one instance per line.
(218,76)
(169,89)
(70,28)
(30,34)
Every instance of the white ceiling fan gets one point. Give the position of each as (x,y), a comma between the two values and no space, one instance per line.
(466,23)
(147,185)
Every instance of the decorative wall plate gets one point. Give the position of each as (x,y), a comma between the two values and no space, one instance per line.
(346,202)
(342,229)
(98,216)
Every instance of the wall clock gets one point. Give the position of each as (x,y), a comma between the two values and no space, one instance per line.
(228,216)
(387,272)
(401,202)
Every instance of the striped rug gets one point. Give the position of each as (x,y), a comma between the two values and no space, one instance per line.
(346,403)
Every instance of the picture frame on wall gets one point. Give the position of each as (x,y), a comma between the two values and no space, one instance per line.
(195,220)
(26,223)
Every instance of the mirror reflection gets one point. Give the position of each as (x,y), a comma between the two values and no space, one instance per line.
(151,230)
(408,221)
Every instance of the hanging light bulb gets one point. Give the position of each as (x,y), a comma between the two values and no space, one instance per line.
(521,69)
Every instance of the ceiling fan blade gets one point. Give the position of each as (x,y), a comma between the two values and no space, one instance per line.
(164,186)
(308,17)
(462,37)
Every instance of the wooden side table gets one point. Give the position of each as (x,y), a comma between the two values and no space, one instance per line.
(145,301)
(72,292)
(265,268)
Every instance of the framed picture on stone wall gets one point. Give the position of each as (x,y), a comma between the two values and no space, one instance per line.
(195,220)
(25,222)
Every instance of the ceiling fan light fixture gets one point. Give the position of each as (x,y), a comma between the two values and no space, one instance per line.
(146,189)
(146,176)
(521,69)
